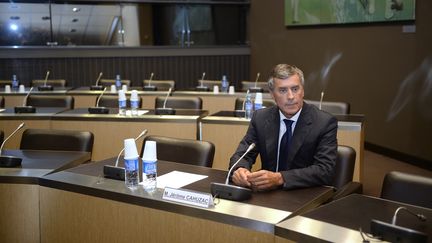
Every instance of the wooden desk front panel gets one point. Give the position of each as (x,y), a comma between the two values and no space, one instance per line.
(218,103)
(8,126)
(72,217)
(109,135)
(13,100)
(19,210)
(85,101)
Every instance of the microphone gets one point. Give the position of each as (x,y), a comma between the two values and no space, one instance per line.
(150,87)
(321,100)
(164,110)
(115,172)
(24,108)
(394,233)
(10,161)
(97,109)
(97,86)
(256,89)
(201,87)
(232,192)
(46,87)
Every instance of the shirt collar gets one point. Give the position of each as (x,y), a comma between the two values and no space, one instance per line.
(293,118)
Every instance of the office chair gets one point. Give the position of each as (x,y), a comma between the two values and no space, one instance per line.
(336,108)
(407,188)
(63,140)
(65,101)
(248,84)
(179,102)
(52,82)
(344,171)
(1,136)
(239,103)
(161,85)
(3,83)
(111,101)
(109,82)
(2,102)
(186,151)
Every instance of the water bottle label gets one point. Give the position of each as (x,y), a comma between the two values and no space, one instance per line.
(258,106)
(248,106)
(149,167)
(131,164)
(134,103)
(122,103)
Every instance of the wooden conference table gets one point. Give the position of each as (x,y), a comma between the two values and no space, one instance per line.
(79,205)
(341,220)
(19,190)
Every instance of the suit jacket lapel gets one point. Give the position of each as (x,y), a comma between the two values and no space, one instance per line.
(300,133)
(271,128)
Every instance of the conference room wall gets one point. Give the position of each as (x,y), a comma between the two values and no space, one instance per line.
(372,69)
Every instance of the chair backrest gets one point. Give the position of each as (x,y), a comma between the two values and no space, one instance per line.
(407,188)
(336,108)
(161,85)
(239,103)
(111,101)
(109,82)
(186,151)
(2,102)
(3,83)
(63,140)
(1,136)
(65,101)
(177,102)
(345,163)
(248,84)
(210,83)
(52,82)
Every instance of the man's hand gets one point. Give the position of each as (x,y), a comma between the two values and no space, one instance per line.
(240,176)
(265,180)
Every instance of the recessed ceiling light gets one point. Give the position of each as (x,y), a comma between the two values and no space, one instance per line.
(45,18)
(72,30)
(14,17)
(74,20)
(76,10)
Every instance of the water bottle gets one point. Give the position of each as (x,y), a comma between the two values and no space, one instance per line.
(118,83)
(258,104)
(15,83)
(149,161)
(248,106)
(131,162)
(122,102)
(134,103)
(225,84)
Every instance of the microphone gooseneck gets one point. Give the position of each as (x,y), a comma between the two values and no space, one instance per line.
(256,80)
(121,151)
(202,79)
(25,98)
(321,100)
(97,80)
(419,216)
(16,130)
(100,96)
(234,165)
(46,78)
(151,78)
(166,98)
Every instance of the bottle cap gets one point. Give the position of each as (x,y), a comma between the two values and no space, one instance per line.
(130,149)
(118,76)
(258,98)
(134,95)
(150,153)
(121,95)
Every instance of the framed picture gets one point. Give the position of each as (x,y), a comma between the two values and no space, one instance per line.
(317,12)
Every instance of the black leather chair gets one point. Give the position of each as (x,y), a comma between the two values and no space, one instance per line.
(249,84)
(161,85)
(63,140)
(344,170)
(65,101)
(239,103)
(52,82)
(186,151)
(111,101)
(336,108)
(109,82)
(177,102)
(3,83)
(1,136)
(407,188)
(2,102)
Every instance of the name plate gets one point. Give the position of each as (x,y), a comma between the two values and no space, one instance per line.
(200,199)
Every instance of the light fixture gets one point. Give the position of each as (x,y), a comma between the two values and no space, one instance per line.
(74,20)
(45,18)
(13,27)
(76,10)
(72,30)
(14,17)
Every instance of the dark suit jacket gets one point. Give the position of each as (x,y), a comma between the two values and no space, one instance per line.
(313,148)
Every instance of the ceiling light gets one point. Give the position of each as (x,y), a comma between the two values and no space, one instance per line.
(45,18)
(76,10)
(14,17)
(13,27)
(72,30)
(74,20)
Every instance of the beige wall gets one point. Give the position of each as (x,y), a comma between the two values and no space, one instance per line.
(375,59)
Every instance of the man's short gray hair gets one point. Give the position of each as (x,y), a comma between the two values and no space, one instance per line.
(284,71)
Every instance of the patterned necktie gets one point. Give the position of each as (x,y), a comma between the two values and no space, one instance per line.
(284,146)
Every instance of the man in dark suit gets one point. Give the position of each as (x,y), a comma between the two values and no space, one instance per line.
(308,149)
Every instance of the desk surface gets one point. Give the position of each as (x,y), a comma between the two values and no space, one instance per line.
(340,220)
(37,163)
(41,113)
(260,213)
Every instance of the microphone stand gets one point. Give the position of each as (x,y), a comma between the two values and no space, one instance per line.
(164,110)
(97,109)
(256,89)
(150,87)
(201,87)
(6,160)
(97,86)
(46,87)
(24,108)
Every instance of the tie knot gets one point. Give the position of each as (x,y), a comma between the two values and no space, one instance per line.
(288,123)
